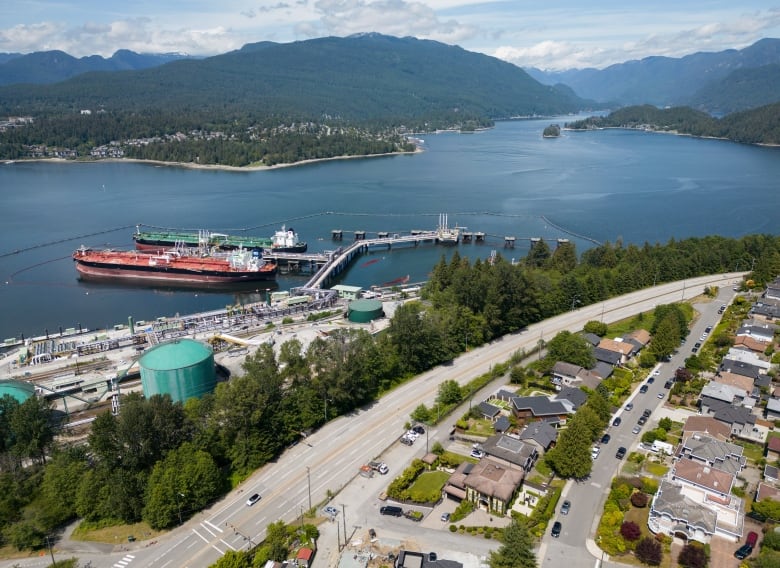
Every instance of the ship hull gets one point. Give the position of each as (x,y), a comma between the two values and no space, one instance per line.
(152,245)
(172,266)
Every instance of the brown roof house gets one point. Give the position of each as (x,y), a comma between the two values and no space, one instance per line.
(624,348)
(492,485)
(706,425)
(773,449)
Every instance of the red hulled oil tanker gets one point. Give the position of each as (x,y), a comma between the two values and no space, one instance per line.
(174,266)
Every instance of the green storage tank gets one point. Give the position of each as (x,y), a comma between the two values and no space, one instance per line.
(182,368)
(20,390)
(364,311)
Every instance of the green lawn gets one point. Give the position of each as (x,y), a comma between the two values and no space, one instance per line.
(657,469)
(428,485)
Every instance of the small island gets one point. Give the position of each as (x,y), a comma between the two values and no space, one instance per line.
(552,131)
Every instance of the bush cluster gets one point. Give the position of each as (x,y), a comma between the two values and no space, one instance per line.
(399,488)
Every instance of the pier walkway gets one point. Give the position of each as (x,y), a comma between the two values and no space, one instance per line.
(339,259)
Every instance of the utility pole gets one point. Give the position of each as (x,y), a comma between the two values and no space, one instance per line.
(48,543)
(344,517)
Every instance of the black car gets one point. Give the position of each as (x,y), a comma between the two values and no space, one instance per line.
(556,530)
(419,429)
(391,510)
(647,412)
(605,439)
(616,421)
(643,389)
(668,384)
(642,420)
(650,380)
(621,453)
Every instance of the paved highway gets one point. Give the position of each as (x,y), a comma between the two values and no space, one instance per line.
(330,458)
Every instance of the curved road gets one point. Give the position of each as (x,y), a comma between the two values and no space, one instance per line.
(330,458)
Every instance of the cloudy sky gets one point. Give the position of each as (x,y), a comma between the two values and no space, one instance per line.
(550,34)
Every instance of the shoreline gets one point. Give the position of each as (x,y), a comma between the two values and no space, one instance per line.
(673,133)
(213,167)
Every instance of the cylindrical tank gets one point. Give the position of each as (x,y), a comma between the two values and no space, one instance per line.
(20,390)
(364,311)
(182,368)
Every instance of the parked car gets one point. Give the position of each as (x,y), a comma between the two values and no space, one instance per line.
(419,429)
(253,499)
(556,529)
(331,510)
(605,439)
(445,517)
(650,380)
(477,454)
(391,510)
(642,420)
(406,441)
(647,412)
(635,430)
(669,384)
(565,507)
(694,350)
(630,406)
(621,453)
(745,550)
(643,389)
(616,421)
(594,452)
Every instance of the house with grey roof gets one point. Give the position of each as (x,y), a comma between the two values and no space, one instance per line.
(773,289)
(489,411)
(773,408)
(530,408)
(408,559)
(765,311)
(602,370)
(740,368)
(712,452)
(741,421)
(714,394)
(592,338)
(678,509)
(613,358)
(758,333)
(540,433)
(745,355)
(511,450)
(502,424)
(576,397)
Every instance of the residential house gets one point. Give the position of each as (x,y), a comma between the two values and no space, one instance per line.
(601,369)
(624,348)
(767,491)
(712,452)
(740,368)
(489,411)
(741,421)
(565,374)
(572,397)
(612,358)
(773,408)
(758,333)
(706,425)
(748,356)
(773,289)
(740,382)
(540,433)
(773,449)
(304,557)
(715,395)
(407,559)
(771,474)
(531,408)
(747,342)
(765,311)
(492,485)
(511,451)
(502,424)
(592,338)
(641,336)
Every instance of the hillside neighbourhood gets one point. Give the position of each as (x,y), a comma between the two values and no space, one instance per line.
(706,464)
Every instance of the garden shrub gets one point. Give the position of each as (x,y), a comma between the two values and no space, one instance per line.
(462,511)
(629,530)
(692,555)
(639,499)
(648,551)
(649,485)
(453,528)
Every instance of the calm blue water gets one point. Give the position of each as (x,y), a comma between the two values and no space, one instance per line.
(607,185)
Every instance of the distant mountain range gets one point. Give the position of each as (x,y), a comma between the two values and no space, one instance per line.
(365,77)
(718,83)
(43,67)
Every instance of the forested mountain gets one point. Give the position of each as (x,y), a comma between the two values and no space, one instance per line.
(665,81)
(54,66)
(756,126)
(367,77)
(740,90)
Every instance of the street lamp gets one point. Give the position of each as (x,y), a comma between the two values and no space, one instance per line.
(344,518)
(178,503)
(48,543)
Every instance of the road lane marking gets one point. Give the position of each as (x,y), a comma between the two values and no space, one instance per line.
(213,526)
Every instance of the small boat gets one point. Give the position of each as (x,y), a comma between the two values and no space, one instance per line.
(174,265)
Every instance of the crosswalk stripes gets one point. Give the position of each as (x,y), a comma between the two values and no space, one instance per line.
(127,559)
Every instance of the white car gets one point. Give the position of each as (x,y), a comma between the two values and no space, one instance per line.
(477,454)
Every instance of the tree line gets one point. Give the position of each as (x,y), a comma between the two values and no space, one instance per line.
(161,462)
(756,126)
